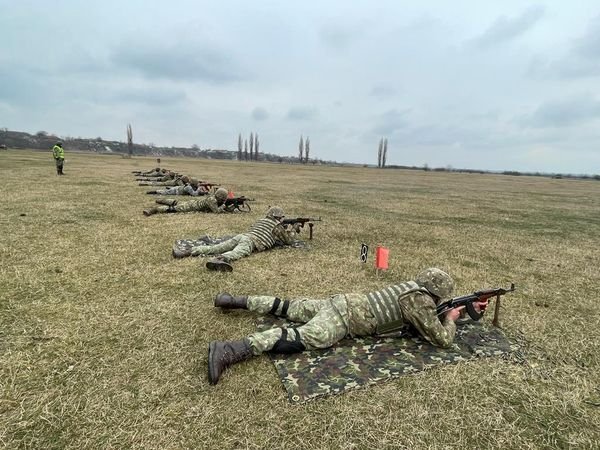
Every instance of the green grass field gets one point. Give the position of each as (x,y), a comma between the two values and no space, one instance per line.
(104,336)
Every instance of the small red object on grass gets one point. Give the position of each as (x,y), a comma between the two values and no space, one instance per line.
(381,257)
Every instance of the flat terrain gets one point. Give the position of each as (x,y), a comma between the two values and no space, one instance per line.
(103,335)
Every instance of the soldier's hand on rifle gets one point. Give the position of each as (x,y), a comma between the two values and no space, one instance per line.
(297,227)
(481,306)
(454,313)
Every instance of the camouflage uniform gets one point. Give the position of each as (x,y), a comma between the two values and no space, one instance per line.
(325,322)
(181,190)
(153,174)
(207,204)
(261,236)
(168,180)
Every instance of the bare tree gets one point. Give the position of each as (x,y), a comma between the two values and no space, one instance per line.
(306,149)
(240,147)
(380,152)
(129,140)
(251,146)
(300,149)
(384,157)
(246,149)
(256,146)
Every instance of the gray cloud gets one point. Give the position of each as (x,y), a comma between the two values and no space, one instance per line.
(301,113)
(582,60)
(505,29)
(588,46)
(259,113)
(340,37)
(390,122)
(178,62)
(382,91)
(151,96)
(563,113)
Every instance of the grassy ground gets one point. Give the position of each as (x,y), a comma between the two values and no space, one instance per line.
(103,336)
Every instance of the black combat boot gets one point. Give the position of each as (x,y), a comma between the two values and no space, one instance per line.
(222,354)
(228,301)
(152,192)
(180,252)
(150,211)
(219,264)
(167,201)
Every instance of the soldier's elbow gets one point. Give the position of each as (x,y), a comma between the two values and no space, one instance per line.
(443,341)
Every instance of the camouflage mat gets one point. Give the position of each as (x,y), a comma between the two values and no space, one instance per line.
(360,362)
(188,244)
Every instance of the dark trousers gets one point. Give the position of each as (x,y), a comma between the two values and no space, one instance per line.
(59,166)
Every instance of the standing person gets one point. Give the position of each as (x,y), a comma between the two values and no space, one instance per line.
(59,157)
(323,322)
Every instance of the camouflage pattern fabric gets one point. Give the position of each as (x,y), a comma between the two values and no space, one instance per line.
(205,204)
(360,362)
(232,249)
(188,244)
(318,323)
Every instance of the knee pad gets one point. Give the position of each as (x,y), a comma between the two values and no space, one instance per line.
(285,346)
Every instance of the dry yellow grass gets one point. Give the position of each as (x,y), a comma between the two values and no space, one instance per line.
(103,336)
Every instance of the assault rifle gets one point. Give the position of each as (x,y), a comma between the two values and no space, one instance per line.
(240,203)
(477,296)
(207,184)
(302,221)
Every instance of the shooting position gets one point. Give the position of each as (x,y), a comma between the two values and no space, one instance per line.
(262,235)
(414,306)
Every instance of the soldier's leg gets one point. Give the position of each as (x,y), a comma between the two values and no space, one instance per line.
(187,206)
(157,210)
(326,328)
(297,310)
(243,248)
(216,249)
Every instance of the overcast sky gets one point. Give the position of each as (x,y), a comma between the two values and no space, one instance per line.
(490,85)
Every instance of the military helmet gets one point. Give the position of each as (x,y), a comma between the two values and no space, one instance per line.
(436,281)
(59,144)
(275,212)
(185,179)
(157,169)
(221,194)
(194,181)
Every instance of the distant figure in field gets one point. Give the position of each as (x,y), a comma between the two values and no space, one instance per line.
(149,173)
(192,188)
(59,157)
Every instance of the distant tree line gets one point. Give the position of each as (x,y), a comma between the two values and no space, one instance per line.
(382,153)
(248,152)
(303,150)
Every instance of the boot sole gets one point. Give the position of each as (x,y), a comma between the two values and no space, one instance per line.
(220,267)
